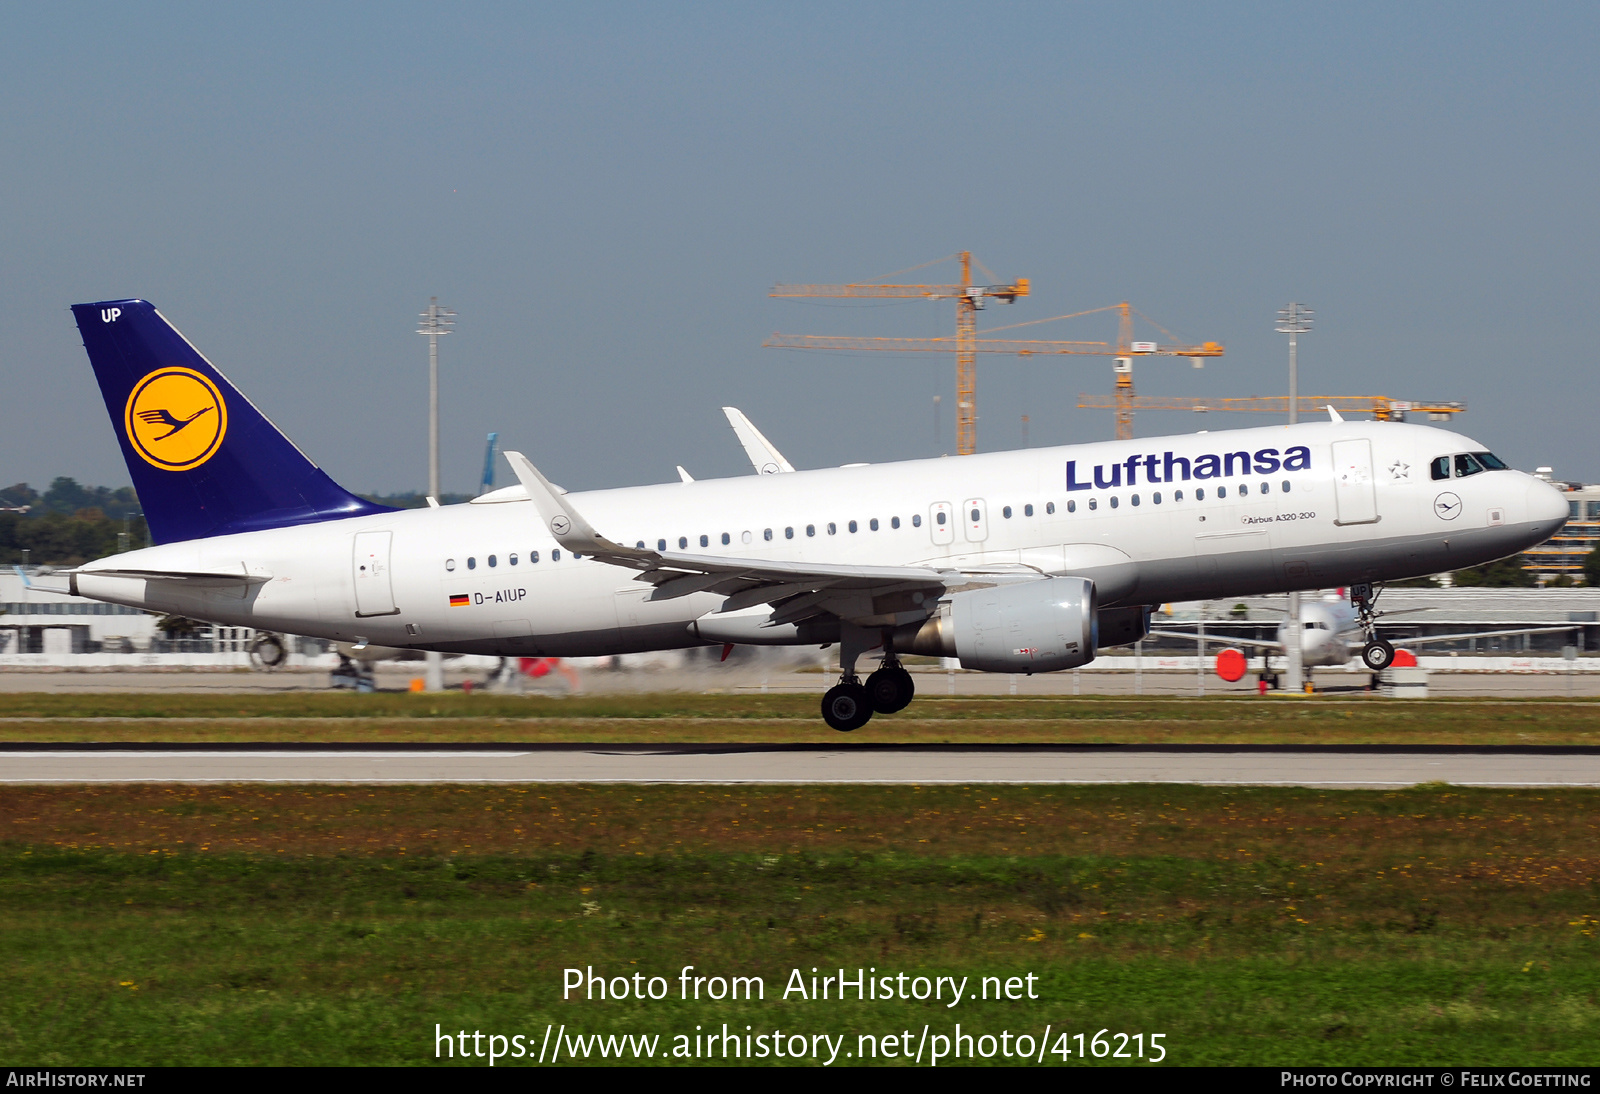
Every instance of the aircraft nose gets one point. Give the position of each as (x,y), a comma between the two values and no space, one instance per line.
(1547,505)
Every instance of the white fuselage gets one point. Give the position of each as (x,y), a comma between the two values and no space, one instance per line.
(1326,629)
(463,577)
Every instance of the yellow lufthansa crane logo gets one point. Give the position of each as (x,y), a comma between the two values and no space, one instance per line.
(176,418)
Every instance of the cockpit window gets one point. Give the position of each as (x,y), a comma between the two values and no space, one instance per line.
(1467,465)
(1491,461)
(1441,467)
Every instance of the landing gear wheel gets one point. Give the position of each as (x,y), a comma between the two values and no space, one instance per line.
(846,706)
(1377,655)
(890,689)
(268,651)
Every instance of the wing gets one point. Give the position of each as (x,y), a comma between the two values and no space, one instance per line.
(1437,638)
(866,595)
(1221,639)
(764,457)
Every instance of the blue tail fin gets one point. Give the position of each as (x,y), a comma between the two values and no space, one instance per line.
(204,461)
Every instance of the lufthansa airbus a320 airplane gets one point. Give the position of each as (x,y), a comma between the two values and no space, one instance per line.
(1009,562)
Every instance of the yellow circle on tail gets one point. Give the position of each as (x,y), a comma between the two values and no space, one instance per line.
(176,418)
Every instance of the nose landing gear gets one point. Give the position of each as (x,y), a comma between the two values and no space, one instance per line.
(1377,654)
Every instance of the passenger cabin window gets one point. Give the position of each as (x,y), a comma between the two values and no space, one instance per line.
(811,529)
(1177,495)
(1027,510)
(1135,499)
(513,557)
(1467,465)
(852,526)
(833,529)
(1440,468)
(1114,501)
(472,564)
(1006,512)
(726,539)
(1222,491)
(873,524)
(555,555)
(1050,507)
(788,533)
(450,565)
(1285,486)
(1094,503)
(683,543)
(492,561)
(639,545)
(533,557)
(705,541)
(1155,498)
(894,522)
(661,545)
(939,516)
(1200,493)
(766,534)
(916,520)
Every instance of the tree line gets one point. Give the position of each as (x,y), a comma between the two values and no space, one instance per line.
(70,524)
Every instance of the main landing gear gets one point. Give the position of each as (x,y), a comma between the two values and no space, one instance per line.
(849,704)
(1377,654)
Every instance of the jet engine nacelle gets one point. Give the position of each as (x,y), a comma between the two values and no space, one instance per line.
(1032,626)
(1123,626)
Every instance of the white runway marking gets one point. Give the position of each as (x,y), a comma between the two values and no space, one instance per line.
(724,765)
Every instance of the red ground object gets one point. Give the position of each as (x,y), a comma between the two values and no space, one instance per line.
(1404,659)
(1231,665)
(538,667)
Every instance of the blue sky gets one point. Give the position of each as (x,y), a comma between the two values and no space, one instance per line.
(605,193)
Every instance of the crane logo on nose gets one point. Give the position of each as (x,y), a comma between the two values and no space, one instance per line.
(175,418)
(1447,506)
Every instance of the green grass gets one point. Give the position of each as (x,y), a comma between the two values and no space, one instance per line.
(682,718)
(172,925)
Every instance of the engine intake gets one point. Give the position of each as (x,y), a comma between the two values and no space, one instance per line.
(1033,626)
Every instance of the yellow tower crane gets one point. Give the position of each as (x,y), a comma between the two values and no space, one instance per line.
(1381,407)
(967,345)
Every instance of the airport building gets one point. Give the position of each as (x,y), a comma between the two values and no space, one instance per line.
(1563,554)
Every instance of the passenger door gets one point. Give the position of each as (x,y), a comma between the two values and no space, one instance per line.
(1354,491)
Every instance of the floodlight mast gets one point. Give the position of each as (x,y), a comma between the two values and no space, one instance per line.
(1294,320)
(436,322)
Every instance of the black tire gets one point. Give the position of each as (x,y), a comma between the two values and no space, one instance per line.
(890,690)
(846,707)
(1377,655)
(269,651)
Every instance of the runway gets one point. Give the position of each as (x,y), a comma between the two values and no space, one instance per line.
(1330,767)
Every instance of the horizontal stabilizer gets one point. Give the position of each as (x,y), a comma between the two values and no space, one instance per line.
(189,577)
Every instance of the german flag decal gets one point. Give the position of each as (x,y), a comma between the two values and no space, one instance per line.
(460,600)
